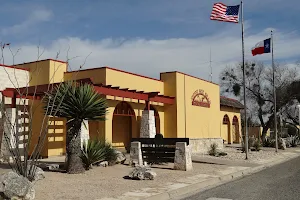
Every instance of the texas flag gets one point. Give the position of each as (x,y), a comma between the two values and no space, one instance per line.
(262,47)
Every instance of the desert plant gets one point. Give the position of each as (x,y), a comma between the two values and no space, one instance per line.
(213,150)
(76,102)
(268,142)
(222,153)
(251,141)
(95,151)
(257,145)
(294,141)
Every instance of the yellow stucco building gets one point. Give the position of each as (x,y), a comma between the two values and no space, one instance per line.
(183,105)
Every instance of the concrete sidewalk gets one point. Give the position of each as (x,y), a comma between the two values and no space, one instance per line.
(201,182)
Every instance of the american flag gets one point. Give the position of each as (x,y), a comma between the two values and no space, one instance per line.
(224,13)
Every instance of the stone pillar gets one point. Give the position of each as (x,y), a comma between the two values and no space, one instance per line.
(9,130)
(183,158)
(136,154)
(148,129)
(84,134)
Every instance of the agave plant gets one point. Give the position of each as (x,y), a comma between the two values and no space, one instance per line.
(95,151)
(213,151)
(75,102)
(257,145)
(294,141)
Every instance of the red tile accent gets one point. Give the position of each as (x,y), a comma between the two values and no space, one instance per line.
(13,67)
(42,60)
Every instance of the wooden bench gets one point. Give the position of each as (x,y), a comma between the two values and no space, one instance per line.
(159,150)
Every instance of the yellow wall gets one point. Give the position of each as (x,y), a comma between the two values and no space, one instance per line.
(192,121)
(231,112)
(106,126)
(97,75)
(170,111)
(131,81)
(39,123)
(115,77)
(181,119)
(45,71)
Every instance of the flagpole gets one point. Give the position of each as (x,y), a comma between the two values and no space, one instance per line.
(244,84)
(274,94)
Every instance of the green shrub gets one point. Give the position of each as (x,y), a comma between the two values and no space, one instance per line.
(268,142)
(292,130)
(213,151)
(257,145)
(95,151)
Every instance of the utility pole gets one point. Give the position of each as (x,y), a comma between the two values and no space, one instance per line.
(210,65)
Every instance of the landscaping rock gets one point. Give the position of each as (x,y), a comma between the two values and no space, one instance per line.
(39,173)
(282,144)
(120,157)
(13,186)
(103,164)
(142,173)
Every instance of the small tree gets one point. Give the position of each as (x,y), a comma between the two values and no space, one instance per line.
(76,102)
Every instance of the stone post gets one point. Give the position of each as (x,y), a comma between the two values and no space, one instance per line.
(9,130)
(183,159)
(136,154)
(148,129)
(84,134)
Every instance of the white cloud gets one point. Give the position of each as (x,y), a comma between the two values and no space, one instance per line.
(35,17)
(149,57)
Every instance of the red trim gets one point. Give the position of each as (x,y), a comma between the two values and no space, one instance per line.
(230,99)
(118,70)
(43,60)
(100,88)
(13,67)
(166,100)
(187,75)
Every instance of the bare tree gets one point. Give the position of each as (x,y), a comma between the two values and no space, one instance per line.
(259,91)
(17,137)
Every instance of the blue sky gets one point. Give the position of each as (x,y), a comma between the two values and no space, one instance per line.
(146,36)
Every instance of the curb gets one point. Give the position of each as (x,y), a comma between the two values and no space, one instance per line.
(213,182)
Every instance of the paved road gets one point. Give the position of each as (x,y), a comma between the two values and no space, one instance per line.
(277,183)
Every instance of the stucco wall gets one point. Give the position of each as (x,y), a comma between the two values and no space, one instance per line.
(13,78)
(133,81)
(97,75)
(227,129)
(202,145)
(192,121)
(45,71)
(105,129)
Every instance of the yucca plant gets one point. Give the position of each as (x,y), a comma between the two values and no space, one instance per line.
(76,102)
(95,151)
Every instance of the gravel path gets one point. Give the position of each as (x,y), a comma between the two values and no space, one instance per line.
(108,182)
(254,156)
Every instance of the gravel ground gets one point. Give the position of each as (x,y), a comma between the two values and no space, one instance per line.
(234,154)
(103,182)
